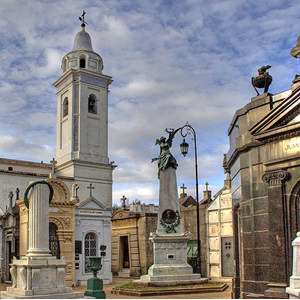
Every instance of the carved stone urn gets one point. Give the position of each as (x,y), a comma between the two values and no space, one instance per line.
(263,80)
(95,284)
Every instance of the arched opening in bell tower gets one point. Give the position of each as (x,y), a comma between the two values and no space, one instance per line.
(82,61)
(65,107)
(92,104)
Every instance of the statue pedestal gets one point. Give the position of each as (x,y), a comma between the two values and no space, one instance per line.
(170,261)
(39,277)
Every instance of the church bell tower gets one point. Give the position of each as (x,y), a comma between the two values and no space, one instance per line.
(82,119)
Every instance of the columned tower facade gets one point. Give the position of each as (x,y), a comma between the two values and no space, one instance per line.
(82,120)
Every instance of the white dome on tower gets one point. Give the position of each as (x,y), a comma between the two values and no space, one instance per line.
(82,41)
(82,55)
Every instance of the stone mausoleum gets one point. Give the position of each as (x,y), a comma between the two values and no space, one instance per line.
(264,165)
(132,251)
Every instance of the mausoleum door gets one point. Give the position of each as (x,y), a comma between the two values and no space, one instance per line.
(53,240)
(227,257)
(124,252)
(10,257)
(90,249)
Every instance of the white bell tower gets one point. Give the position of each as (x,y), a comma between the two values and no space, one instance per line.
(82,120)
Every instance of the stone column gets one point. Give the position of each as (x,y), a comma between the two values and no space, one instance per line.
(39,221)
(278,252)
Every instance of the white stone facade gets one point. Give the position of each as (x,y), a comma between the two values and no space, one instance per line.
(219,228)
(92,219)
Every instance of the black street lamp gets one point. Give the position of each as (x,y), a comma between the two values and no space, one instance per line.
(184,146)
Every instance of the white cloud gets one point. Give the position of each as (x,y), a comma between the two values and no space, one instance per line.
(171,61)
(17,146)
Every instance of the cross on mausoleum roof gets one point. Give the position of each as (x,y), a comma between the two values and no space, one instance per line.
(53,162)
(183,188)
(123,200)
(91,187)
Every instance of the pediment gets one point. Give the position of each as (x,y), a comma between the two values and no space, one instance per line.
(296,119)
(283,119)
(215,204)
(91,203)
(124,214)
(187,201)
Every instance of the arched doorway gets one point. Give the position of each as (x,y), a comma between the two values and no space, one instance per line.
(53,240)
(90,249)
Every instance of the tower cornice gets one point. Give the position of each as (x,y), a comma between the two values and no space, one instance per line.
(79,72)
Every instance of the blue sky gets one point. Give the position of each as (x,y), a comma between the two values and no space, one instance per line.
(171,61)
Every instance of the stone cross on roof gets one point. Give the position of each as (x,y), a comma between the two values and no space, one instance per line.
(183,194)
(183,188)
(123,200)
(53,162)
(91,187)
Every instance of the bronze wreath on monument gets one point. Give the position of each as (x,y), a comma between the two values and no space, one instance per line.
(169,220)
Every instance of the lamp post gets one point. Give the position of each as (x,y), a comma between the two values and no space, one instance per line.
(184,146)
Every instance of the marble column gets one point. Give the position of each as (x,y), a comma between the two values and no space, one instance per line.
(39,221)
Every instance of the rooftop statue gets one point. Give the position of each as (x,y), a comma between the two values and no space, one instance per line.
(295,52)
(263,80)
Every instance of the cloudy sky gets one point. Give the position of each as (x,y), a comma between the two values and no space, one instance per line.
(171,61)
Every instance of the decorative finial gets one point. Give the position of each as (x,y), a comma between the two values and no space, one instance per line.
(206,183)
(81,18)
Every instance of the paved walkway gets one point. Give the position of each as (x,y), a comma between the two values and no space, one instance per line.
(119,280)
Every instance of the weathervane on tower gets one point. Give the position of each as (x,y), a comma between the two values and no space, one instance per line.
(81,18)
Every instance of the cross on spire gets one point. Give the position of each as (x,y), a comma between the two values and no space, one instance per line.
(123,200)
(91,187)
(81,18)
